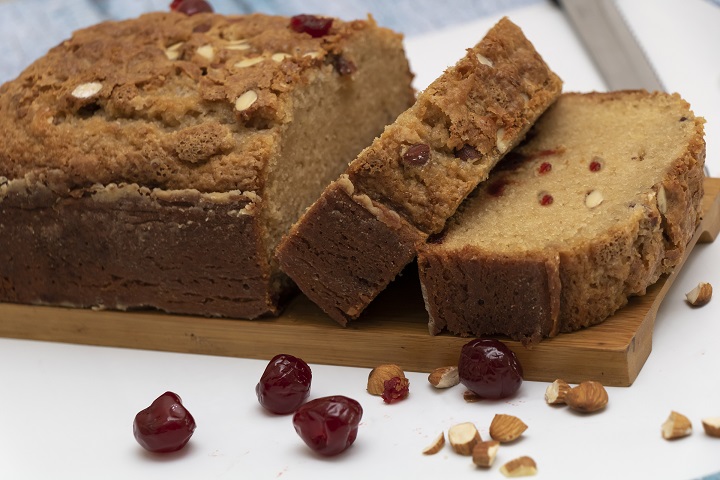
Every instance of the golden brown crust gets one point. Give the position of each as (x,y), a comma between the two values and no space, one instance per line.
(164,113)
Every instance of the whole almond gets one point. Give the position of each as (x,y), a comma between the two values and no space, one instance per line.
(587,397)
(379,375)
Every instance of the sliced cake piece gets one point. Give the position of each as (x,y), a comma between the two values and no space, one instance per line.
(599,202)
(156,162)
(364,229)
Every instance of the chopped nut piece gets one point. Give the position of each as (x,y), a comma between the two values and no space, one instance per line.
(444,377)
(676,426)
(173,51)
(239,46)
(506,428)
(700,295)
(436,445)
(246,100)
(587,397)
(379,375)
(484,453)
(556,391)
(593,199)
(206,51)
(520,467)
(712,426)
(463,437)
(87,90)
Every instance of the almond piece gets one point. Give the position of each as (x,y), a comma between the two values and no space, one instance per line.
(556,392)
(587,397)
(700,295)
(520,467)
(484,453)
(712,426)
(436,445)
(379,375)
(593,199)
(444,377)
(506,428)
(463,437)
(676,426)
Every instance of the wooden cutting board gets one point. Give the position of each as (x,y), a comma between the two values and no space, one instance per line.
(392,330)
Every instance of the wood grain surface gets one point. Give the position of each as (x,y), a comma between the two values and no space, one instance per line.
(392,330)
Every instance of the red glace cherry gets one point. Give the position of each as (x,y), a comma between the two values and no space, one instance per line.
(284,385)
(312,25)
(190,7)
(328,425)
(489,368)
(164,426)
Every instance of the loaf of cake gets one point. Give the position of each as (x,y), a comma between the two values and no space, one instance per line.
(365,228)
(156,162)
(598,203)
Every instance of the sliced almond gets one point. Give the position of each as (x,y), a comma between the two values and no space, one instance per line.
(700,295)
(463,437)
(484,453)
(520,467)
(500,142)
(436,445)
(279,57)
(506,428)
(484,60)
(555,392)
(444,377)
(248,62)
(587,397)
(87,90)
(676,426)
(246,100)
(662,200)
(712,426)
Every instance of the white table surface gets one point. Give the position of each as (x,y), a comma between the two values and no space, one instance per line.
(66,411)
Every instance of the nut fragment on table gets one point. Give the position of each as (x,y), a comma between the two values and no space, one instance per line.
(676,426)
(463,437)
(520,467)
(471,397)
(712,426)
(379,375)
(436,445)
(444,377)
(700,295)
(556,392)
(588,397)
(484,453)
(506,428)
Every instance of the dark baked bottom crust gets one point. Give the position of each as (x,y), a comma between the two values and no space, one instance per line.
(179,251)
(341,255)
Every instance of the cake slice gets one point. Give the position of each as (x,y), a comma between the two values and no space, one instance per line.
(156,162)
(597,204)
(364,229)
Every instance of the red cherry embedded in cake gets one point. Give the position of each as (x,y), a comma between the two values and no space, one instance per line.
(284,385)
(190,7)
(328,425)
(489,368)
(311,24)
(164,426)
